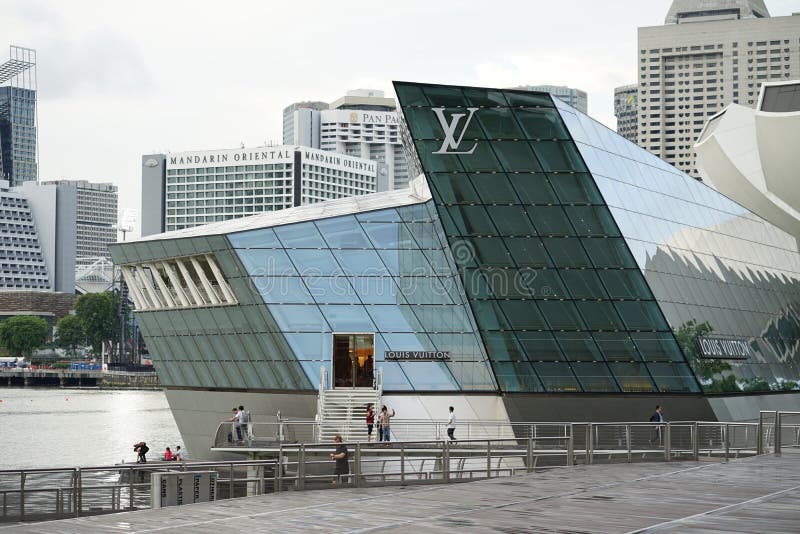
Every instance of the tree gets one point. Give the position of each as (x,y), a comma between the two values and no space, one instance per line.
(70,333)
(708,369)
(22,334)
(96,313)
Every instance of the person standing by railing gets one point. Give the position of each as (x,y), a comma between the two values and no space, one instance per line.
(340,455)
(451,424)
(370,422)
(385,423)
(657,417)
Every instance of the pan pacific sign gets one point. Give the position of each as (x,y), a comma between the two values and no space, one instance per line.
(723,348)
(416,356)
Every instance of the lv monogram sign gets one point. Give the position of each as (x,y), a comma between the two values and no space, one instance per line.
(451,143)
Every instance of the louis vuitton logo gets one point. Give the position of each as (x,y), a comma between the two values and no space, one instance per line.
(450,144)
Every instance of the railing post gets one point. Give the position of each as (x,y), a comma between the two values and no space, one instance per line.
(357,466)
(628,442)
(667,442)
(301,467)
(446,460)
(530,455)
(696,441)
(130,488)
(727,441)
(571,446)
(589,443)
(488,459)
(22,475)
(230,482)
(402,463)
(277,478)
(777,433)
(79,502)
(760,434)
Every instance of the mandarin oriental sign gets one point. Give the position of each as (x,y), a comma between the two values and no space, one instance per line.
(723,348)
(416,356)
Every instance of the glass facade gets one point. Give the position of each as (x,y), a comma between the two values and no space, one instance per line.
(551,256)
(712,265)
(387,272)
(18,134)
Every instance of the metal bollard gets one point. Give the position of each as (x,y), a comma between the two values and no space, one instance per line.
(446,461)
(667,443)
(695,441)
(488,459)
(777,433)
(530,455)
(760,434)
(357,465)
(589,443)
(628,442)
(727,441)
(301,467)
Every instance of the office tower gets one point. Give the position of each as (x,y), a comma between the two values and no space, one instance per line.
(96,217)
(707,55)
(23,265)
(574,97)
(290,118)
(202,187)
(625,109)
(18,124)
(363,123)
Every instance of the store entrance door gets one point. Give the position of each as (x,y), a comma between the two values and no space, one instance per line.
(353,360)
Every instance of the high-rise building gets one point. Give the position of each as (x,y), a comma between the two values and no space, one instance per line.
(709,54)
(22,264)
(574,97)
(96,217)
(187,189)
(18,125)
(290,117)
(363,123)
(626,109)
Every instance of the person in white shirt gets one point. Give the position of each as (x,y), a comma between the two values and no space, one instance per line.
(451,424)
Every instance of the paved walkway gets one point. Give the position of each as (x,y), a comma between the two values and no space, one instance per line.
(751,495)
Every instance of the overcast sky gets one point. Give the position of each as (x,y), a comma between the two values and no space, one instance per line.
(117,80)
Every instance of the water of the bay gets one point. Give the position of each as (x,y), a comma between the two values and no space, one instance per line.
(81,427)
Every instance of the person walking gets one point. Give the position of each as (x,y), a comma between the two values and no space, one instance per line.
(370,421)
(340,455)
(385,423)
(657,417)
(451,424)
(245,422)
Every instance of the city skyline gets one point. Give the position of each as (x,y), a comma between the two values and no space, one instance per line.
(197,81)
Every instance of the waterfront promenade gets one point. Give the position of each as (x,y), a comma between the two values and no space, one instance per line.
(758,494)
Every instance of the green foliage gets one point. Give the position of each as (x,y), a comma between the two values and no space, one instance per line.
(22,334)
(722,385)
(96,312)
(786,385)
(756,384)
(70,333)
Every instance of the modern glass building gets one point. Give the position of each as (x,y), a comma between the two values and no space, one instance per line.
(18,123)
(557,270)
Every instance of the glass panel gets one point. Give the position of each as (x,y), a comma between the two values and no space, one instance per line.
(541,123)
(583,284)
(673,377)
(266,262)
(599,315)
(389,235)
(477,96)
(608,253)
(533,188)
(595,377)
(559,156)
(300,235)
(346,318)
(655,346)
(592,220)
(406,262)
(566,252)
(511,220)
(528,99)
(527,252)
(489,315)
(540,346)
(331,290)
(625,284)
(550,220)
(578,346)
(342,232)
(491,252)
(394,318)
(377,290)
(544,283)
(453,188)
(429,376)
(632,377)
(515,156)
(262,238)
(282,290)
(499,123)
(561,315)
(502,346)
(575,188)
(360,262)
(522,314)
(494,189)
(616,346)
(471,220)
(298,318)
(517,376)
(482,159)
(641,315)
(314,262)
(557,377)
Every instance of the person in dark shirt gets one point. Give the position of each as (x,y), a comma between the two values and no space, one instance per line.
(340,455)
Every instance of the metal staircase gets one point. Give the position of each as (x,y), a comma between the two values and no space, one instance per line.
(343,410)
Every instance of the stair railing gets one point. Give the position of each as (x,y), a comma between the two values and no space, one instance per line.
(323,373)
